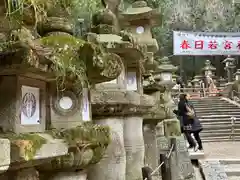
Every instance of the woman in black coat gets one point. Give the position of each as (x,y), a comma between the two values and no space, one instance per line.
(190,124)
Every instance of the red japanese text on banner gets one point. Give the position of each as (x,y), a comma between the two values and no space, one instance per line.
(204,43)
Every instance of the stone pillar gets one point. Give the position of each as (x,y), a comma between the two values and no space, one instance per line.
(134,146)
(113,164)
(139,22)
(149,131)
(153,126)
(69,176)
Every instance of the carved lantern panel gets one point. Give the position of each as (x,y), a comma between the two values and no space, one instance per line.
(133,80)
(166,76)
(23,104)
(69,109)
(237,75)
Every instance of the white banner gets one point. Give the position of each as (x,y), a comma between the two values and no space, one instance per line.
(205,43)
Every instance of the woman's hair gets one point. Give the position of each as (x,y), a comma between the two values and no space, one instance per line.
(182,97)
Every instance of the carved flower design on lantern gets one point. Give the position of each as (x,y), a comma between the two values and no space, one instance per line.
(29,104)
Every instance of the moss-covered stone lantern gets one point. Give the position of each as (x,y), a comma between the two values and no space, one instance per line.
(229,67)
(235,88)
(166,70)
(237,75)
(196,81)
(208,69)
(119,103)
(138,20)
(157,85)
(46,73)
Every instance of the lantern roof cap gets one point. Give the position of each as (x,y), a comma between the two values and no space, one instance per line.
(141,11)
(228,59)
(165,65)
(237,72)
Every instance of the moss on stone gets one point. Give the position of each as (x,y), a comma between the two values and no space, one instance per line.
(27,144)
(66,61)
(81,138)
(172,128)
(86,134)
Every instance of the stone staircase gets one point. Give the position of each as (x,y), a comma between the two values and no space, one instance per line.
(216,169)
(215,114)
(232,168)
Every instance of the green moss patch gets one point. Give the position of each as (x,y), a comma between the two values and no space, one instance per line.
(67,64)
(27,144)
(87,134)
(81,138)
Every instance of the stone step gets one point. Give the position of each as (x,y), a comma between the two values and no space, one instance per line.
(219,139)
(207,106)
(216,134)
(210,102)
(224,108)
(211,139)
(218,113)
(233,177)
(196,106)
(220,132)
(216,119)
(218,128)
(232,169)
(206,100)
(218,116)
(195,155)
(229,161)
(219,123)
(216,110)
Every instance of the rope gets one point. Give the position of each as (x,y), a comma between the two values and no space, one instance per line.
(162,163)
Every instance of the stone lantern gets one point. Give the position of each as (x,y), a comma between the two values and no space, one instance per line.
(208,69)
(155,86)
(237,75)
(120,103)
(166,70)
(229,67)
(138,20)
(196,81)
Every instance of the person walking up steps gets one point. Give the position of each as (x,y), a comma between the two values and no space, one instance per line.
(191,124)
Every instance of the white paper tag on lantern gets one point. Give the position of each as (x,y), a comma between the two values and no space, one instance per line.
(30,106)
(166,76)
(131,81)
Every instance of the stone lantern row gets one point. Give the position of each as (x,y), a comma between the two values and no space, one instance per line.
(208,71)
